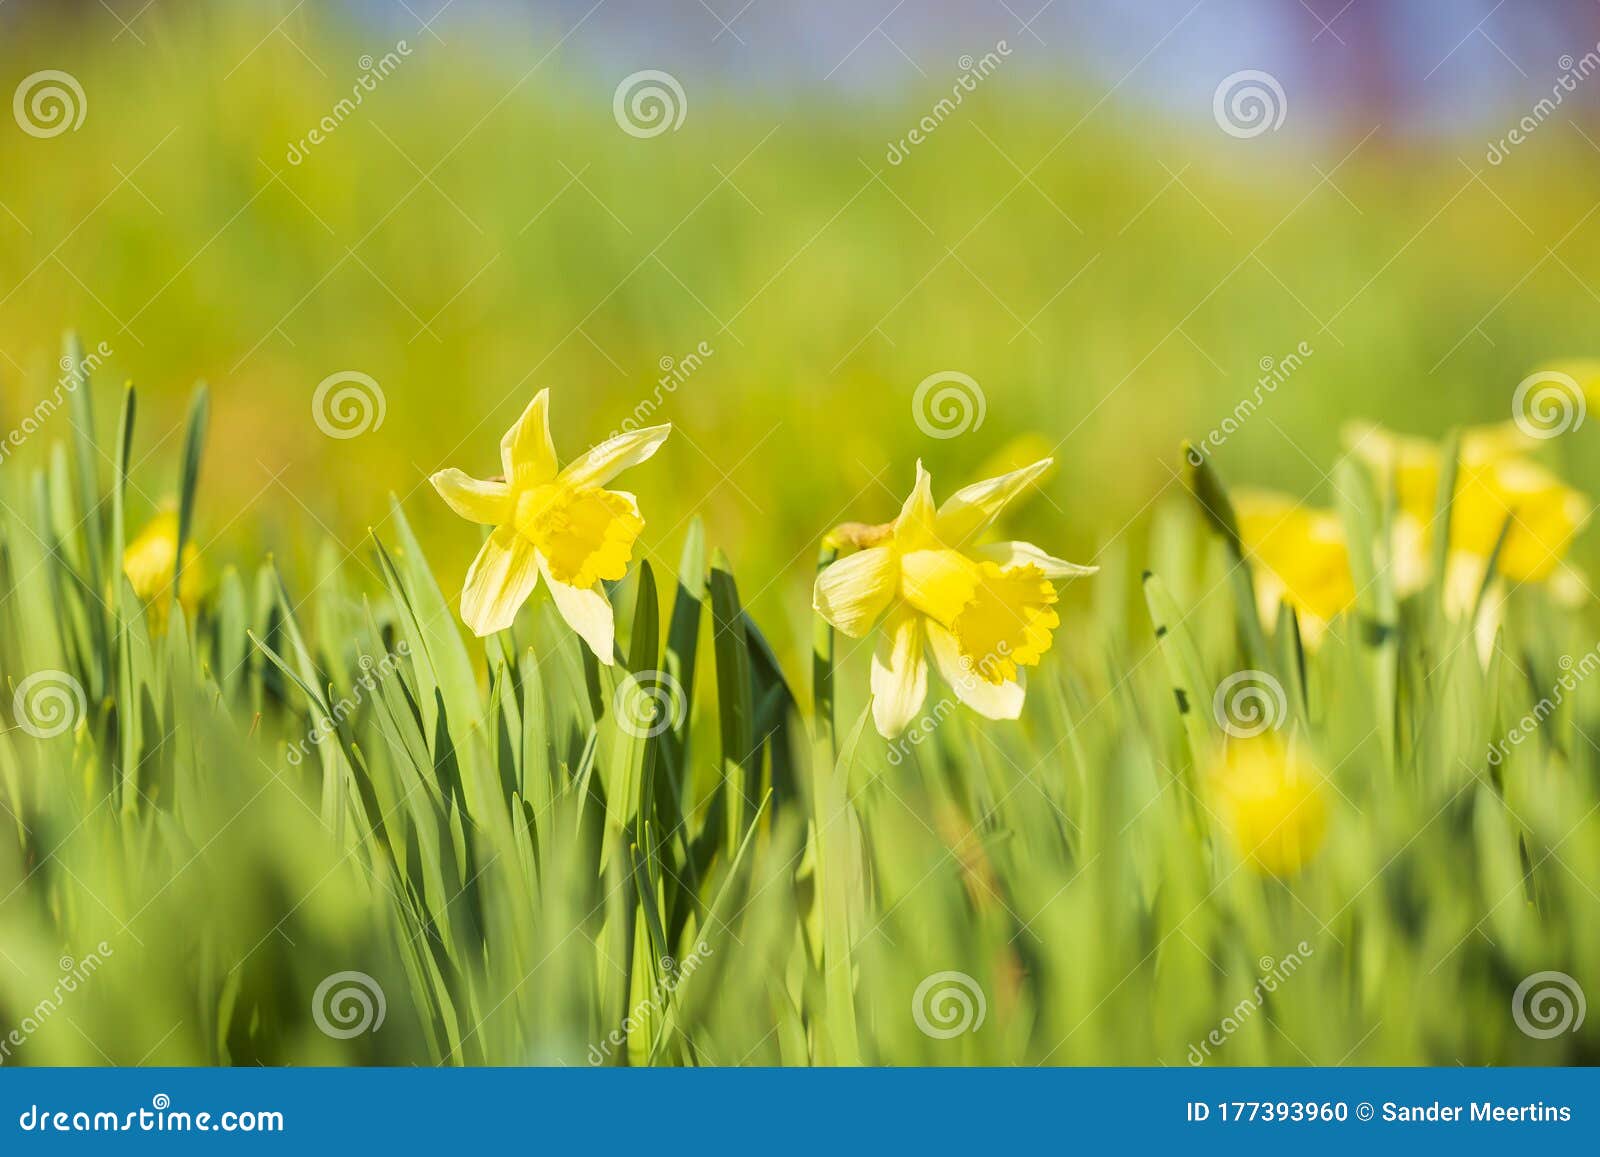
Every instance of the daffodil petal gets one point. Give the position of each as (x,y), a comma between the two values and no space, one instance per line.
(588,612)
(488,503)
(600,465)
(899,674)
(1008,554)
(970,509)
(526,452)
(916,529)
(991,700)
(851,593)
(499,581)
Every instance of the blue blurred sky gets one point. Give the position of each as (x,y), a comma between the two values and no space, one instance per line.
(1428,65)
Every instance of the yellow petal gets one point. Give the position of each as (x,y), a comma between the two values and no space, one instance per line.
(939,583)
(972,508)
(851,593)
(1006,623)
(1009,554)
(916,528)
(1269,800)
(499,581)
(1303,548)
(488,503)
(600,465)
(587,611)
(899,674)
(582,535)
(526,452)
(1545,515)
(991,700)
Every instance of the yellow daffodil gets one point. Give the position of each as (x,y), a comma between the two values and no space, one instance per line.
(558,522)
(150,560)
(1268,799)
(985,612)
(1300,558)
(1496,487)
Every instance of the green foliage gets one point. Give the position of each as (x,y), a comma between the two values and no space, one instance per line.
(539,859)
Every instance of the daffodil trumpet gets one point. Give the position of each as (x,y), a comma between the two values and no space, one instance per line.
(558,522)
(983,613)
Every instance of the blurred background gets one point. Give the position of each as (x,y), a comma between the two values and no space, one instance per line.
(1114,221)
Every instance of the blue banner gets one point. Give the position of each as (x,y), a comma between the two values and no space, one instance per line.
(964,1111)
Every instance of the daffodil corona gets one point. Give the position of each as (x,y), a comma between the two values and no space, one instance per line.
(558,522)
(985,612)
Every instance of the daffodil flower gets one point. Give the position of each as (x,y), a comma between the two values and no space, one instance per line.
(1497,487)
(558,522)
(1268,798)
(150,560)
(1300,558)
(985,612)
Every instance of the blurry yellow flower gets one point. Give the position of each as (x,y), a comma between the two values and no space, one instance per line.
(1268,798)
(150,560)
(984,611)
(1494,482)
(557,522)
(1300,557)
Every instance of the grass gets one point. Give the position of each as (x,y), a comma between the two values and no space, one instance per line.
(526,864)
